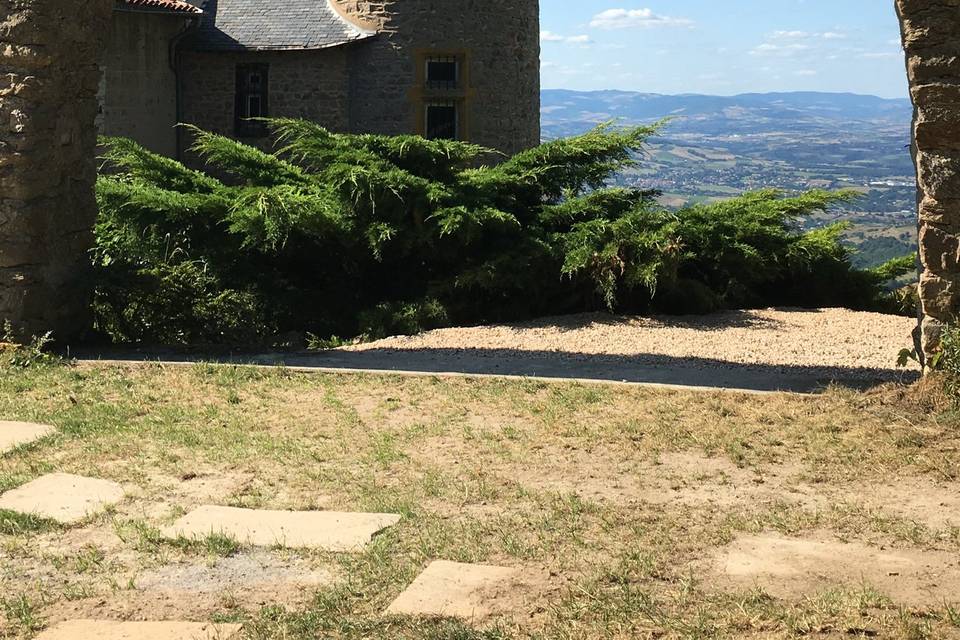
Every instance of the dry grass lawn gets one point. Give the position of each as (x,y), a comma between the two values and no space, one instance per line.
(630,513)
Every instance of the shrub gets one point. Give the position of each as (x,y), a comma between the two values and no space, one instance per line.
(947,361)
(336,234)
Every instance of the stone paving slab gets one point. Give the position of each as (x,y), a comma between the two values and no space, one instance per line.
(17,434)
(327,530)
(62,497)
(109,630)
(451,589)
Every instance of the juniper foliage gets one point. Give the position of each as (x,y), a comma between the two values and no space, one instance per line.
(337,234)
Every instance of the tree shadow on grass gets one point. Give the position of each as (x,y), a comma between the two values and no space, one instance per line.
(654,369)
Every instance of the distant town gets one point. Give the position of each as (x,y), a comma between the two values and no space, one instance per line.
(717,147)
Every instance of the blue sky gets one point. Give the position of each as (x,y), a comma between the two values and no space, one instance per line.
(723,46)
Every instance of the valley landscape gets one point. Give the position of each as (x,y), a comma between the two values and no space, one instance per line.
(715,147)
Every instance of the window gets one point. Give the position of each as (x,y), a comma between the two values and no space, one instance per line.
(442,94)
(443,72)
(442,120)
(252,99)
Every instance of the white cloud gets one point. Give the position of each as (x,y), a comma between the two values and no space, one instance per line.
(881,54)
(550,36)
(805,73)
(635,19)
(781,50)
(790,35)
(806,35)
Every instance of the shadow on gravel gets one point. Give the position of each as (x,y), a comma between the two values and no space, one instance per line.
(717,321)
(640,369)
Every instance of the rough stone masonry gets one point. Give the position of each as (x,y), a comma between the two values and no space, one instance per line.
(48,86)
(48,83)
(931,39)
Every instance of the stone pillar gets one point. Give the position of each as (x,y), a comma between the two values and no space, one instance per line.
(931,39)
(48,88)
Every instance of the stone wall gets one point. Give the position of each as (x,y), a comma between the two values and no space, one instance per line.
(139,88)
(500,41)
(931,39)
(48,88)
(302,84)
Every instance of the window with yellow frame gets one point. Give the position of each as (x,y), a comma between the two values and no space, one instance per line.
(442,94)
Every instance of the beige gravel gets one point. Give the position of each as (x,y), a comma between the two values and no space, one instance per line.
(819,339)
(111,630)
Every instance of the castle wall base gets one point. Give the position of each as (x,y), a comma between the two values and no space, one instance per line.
(48,86)
(931,39)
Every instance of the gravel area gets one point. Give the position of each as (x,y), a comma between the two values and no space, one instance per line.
(819,340)
(757,351)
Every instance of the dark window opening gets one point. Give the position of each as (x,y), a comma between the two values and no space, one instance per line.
(443,73)
(442,121)
(252,100)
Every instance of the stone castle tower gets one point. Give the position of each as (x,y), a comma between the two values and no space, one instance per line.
(472,64)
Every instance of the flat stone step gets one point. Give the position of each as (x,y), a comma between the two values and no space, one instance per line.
(110,630)
(62,497)
(327,530)
(454,590)
(17,434)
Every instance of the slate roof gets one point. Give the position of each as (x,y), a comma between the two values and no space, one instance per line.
(272,25)
(175,6)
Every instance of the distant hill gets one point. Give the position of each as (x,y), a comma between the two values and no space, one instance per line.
(723,115)
(719,146)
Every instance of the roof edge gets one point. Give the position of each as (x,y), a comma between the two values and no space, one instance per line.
(158,6)
(350,20)
(255,49)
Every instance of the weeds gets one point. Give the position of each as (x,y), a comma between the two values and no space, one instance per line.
(22,612)
(13,523)
(34,353)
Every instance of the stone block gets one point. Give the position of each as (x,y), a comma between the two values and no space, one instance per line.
(939,175)
(939,134)
(452,589)
(930,333)
(327,530)
(939,297)
(939,250)
(944,213)
(65,498)
(17,434)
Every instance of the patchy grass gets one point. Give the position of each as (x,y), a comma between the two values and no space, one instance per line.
(616,498)
(13,523)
